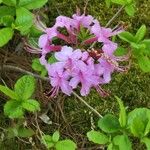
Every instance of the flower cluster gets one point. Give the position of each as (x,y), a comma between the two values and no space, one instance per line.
(78,63)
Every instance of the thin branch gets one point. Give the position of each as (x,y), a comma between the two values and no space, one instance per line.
(115,16)
(91,108)
(14,68)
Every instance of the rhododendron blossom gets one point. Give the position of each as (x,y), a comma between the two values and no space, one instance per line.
(77,64)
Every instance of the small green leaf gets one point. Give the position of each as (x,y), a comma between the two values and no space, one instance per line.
(140,33)
(7,91)
(37,66)
(10,2)
(56,136)
(121,2)
(13,109)
(25,132)
(65,145)
(24,20)
(146,42)
(47,141)
(147,142)
(31,105)
(32,4)
(109,123)
(52,59)
(6,34)
(25,87)
(122,114)
(144,63)
(127,36)
(120,51)
(130,10)
(97,137)
(108,3)
(123,142)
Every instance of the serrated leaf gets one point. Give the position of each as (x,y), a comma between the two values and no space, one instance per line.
(140,33)
(97,137)
(146,141)
(130,10)
(123,142)
(109,123)
(138,120)
(6,34)
(24,20)
(144,63)
(25,87)
(10,2)
(25,132)
(6,11)
(65,145)
(7,20)
(31,105)
(32,4)
(7,91)
(55,136)
(127,36)
(47,141)
(13,109)
(122,113)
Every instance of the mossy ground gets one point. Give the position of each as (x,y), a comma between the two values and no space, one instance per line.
(68,114)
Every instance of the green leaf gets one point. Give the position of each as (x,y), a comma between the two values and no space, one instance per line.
(130,10)
(24,20)
(10,2)
(13,109)
(127,36)
(37,66)
(31,105)
(97,137)
(138,119)
(146,141)
(7,91)
(7,20)
(120,51)
(109,123)
(122,114)
(25,132)
(121,2)
(56,136)
(25,87)
(32,4)
(6,11)
(47,141)
(144,63)
(146,42)
(6,34)
(140,33)
(123,142)
(65,145)
(52,59)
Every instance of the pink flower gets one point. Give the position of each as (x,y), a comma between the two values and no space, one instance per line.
(59,79)
(69,57)
(84,75)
